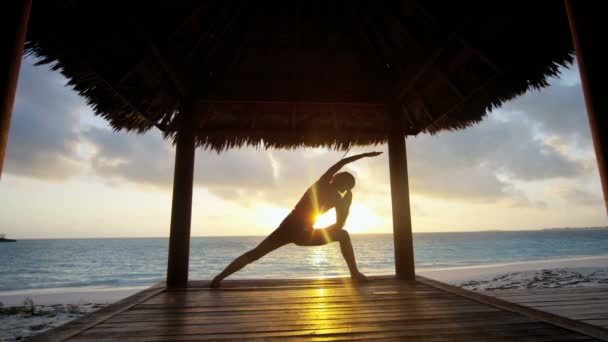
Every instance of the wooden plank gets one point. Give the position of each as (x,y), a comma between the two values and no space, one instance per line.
(302,313)
(256,319)
(383,336)
(76,326)
(580,310)
(302,299)
(599,321)
(462,333)
(588,305)
(383,311)
(322,292)
(279,308)
(573,306)
(567,323)
(270,330)
(378,313)
(213,327)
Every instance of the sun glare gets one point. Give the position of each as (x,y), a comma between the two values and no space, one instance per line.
(360,219)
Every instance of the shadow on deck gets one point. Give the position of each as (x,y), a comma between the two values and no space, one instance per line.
(320,310)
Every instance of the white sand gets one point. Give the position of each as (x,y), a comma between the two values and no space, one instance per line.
(51,309)
(571,272)
(101,296)
(56,308)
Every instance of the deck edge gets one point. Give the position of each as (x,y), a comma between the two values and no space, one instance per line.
(547,317)
(74,327)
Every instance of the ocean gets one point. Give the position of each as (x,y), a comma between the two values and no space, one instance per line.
(81,264)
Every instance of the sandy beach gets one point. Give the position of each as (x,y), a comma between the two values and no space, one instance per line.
(51,309)
(26,314)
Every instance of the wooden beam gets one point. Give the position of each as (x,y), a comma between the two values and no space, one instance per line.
(585,18)
(181,208)
(392,61)
(334,118)
(15,16)
(447,80)
(294,118)
(462,101)
(160,126)
(462,40)
(182,25)
(425,107)
(177,83)
(400,197)
(287,131)
(375,105)
(412,82)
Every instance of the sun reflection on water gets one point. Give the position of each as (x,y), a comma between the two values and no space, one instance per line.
(318,256)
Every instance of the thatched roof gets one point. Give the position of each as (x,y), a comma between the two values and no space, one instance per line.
(299,73)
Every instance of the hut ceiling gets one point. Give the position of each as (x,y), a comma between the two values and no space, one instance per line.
(299,73)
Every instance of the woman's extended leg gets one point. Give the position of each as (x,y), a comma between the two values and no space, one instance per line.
(272,242)
(324,236)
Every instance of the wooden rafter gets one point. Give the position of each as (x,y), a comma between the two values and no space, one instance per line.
(462,101)
(177,83)
(412,82)
(366,38)
(258,131)
(446,79)
(293,119)
(189,19)
(432,19)
(126,101)
(385,47)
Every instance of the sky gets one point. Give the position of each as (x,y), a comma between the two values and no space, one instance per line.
(528,165)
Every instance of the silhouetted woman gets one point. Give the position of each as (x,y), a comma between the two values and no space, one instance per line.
(332,190)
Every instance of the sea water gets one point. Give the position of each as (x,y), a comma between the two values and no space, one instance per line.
(79,264)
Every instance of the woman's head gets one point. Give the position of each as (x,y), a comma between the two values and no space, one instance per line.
(343,181)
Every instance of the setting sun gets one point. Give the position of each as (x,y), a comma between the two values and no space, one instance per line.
(360,219)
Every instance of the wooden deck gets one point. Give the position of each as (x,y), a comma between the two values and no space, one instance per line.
(314,310)
(589,305)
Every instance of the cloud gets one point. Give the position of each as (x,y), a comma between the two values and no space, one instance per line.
(580,197)
(557,110)
(148,159)
(44,135)
(480,163)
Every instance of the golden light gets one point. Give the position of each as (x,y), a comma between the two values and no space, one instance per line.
(317,256)
(360,219)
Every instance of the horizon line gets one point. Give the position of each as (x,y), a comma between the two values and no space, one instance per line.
(380,233)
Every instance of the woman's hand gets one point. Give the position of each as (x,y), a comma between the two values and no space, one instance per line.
(348,197)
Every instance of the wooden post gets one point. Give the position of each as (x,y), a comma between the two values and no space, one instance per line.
(586,25)
(15,17)
(400,196)
(181,209)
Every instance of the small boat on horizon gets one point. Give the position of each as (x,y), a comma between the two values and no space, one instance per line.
(4,239)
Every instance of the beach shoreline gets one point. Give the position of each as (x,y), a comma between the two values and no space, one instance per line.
(58,306)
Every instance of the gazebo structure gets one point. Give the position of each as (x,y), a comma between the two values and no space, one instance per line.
(221,75)
(224,74)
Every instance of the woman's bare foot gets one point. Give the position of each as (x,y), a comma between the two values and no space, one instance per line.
(215,283)
(360,278)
